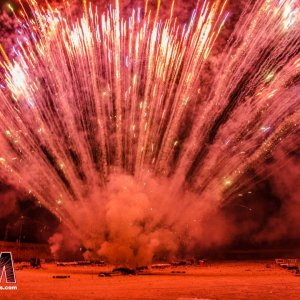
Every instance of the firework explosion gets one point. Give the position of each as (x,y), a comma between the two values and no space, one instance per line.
(103,120)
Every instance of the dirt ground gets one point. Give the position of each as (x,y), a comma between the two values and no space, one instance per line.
(218,280)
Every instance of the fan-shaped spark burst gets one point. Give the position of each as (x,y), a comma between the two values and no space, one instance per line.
(89,100)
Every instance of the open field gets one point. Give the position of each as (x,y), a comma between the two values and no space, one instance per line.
(220,280)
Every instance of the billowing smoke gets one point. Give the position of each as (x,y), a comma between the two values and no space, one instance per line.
(55,242)
(285,178)
(63,245)
(135,222)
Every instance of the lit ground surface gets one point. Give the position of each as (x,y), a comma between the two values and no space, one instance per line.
(223,280)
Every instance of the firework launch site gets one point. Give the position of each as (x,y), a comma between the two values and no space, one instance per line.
(217,280)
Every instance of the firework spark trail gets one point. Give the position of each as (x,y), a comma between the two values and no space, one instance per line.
(91,99)
(152,56)
(245,106)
